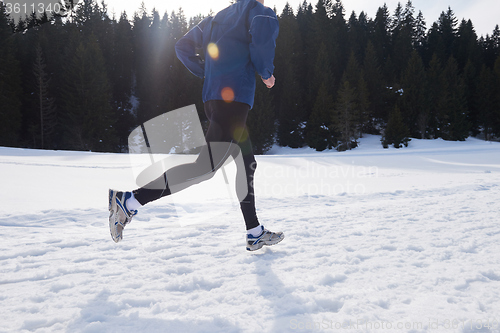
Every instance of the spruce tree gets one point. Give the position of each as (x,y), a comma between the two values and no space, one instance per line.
(381,38)
(491,47)
(141,23)
(59,42)
(396,132)
(435,95)
(470,76)
(448,30)
(435,45)
(355,76)
(322,49)
(340,41)
(291,111)
(46,106)
(453,107)
(260,120)
(306,58)
(389,73)
(344,117)
(87,106)
(121,79)
(420,39)
(363,120)
(496,112)
(156,66)
(402,31)
(375,87)
(10,85)
(358,34)
(414,104)
(486,99)
(466,45)
(319,133)
(183,87)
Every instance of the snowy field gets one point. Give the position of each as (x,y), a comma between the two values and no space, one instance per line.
(376,241)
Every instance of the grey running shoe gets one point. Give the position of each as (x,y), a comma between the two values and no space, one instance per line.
(265,238)
(119,215)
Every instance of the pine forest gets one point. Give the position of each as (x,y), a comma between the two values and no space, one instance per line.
(83,80)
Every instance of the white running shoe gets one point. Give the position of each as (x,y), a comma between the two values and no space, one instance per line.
(119,215)
(265,238)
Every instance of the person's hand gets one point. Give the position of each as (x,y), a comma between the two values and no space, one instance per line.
(269,82)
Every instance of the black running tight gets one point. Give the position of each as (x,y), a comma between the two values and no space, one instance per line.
(227,125)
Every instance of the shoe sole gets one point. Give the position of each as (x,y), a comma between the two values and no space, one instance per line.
(262,244)
(112,208)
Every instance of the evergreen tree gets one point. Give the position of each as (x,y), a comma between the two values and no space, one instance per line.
(355,76)
(435,47)
(22,25)
(340,41)
(183,87)
(403,31)
(358,34)
(467,47)
(10,85)
(363,120)
(397,18)
(319,132)
(491,47)
(322,31)
(381,38)
(447,28)
(486,100)
(315,82)
(435,95)
(375,88)
(32,21)
(260,120)
(396,132)
(307,55)
(141,23)
(88,94)
(409,20)
(389,73)
(57,45)
(344,117)
(290,110)
(156,66)
(25,45)
(496,113)
(46,105)
(419,41)
(470,77)
(121,79)
(86,14)
(414,105)
(453,107)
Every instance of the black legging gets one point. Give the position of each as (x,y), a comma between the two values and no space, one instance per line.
(228,125)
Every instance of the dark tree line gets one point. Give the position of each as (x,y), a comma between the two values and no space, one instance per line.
(84,81)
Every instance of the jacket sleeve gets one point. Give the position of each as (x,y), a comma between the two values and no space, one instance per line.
(185,48)
(264,30)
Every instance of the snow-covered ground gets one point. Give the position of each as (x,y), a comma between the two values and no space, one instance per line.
(376,240)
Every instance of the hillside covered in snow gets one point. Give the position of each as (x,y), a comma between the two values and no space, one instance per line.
(376,240)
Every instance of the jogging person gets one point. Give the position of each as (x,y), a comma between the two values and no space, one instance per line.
(237,43)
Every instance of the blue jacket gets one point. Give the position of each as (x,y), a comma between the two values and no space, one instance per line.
(239,41)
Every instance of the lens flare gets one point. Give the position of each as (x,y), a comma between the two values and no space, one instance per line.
(213,51)
(240,134)
(227,94)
